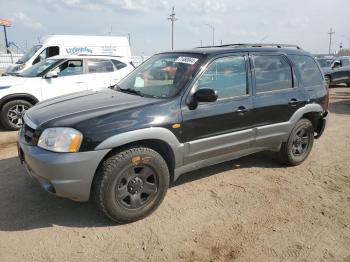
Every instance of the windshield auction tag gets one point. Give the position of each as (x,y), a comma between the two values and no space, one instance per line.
(186,60)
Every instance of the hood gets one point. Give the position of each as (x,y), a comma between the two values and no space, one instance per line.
(8,81)
(77,107)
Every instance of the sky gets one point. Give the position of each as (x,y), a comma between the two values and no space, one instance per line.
(302,22)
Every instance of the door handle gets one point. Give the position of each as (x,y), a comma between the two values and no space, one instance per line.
(242,109)
(79,82)
(293,102)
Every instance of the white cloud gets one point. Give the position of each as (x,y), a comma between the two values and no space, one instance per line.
(27,21)
(208,6)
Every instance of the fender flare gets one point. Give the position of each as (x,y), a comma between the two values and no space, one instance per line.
(24,96)
(157,133)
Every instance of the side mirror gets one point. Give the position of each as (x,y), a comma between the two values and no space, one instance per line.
(202,95)
(51,74)
(336,64)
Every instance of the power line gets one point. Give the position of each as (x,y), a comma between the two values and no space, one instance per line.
(331,33)
(172,19)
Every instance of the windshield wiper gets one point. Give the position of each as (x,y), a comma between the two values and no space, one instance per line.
(129,90)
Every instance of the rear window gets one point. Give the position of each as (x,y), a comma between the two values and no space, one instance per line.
(307,69)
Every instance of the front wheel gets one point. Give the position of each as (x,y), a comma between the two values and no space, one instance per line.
(299,144)
(12,114)
(131,184)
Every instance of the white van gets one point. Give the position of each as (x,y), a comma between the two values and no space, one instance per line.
(72,45)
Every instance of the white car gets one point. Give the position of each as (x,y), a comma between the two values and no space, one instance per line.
(56,76)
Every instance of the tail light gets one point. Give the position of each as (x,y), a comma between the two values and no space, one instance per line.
(327,96)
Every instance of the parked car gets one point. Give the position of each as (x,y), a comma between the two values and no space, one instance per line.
(336,71)
(123,147)
(53,77)
(54,45)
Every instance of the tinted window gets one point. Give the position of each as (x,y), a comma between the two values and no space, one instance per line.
(228,76)
(272,72)
(118,64)
(345,62)
(100,66)
(308,71)
(70,67)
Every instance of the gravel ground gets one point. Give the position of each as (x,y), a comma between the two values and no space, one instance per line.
(250,209)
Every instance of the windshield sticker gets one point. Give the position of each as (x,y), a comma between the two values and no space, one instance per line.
(186,60)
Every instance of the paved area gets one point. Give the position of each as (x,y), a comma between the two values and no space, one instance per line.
(250,209)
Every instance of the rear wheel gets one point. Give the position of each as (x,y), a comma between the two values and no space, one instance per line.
(131,184)
(299,144)
(12,113)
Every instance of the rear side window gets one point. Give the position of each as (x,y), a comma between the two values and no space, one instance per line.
(345,62)
(272,72)
(307,69)
(100,66)
(118,64)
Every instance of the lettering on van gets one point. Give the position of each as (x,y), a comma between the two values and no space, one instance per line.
(77,50)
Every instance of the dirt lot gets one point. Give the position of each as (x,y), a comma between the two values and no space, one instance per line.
(251,209)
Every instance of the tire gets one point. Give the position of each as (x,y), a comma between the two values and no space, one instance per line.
(299,144)
(12,113)
(131,184)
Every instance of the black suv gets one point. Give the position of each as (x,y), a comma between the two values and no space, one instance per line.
(124,146)
(336,70)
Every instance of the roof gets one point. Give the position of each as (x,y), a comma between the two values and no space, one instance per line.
(216,50)
(87,56)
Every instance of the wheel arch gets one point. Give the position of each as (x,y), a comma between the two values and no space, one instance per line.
(23,96)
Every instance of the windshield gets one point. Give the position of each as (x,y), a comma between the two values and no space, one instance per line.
(38,68)
(162,75)
(325,62)
(29,54)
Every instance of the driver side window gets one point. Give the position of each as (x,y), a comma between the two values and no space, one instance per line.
(69,68)
(227,75)
(46,53)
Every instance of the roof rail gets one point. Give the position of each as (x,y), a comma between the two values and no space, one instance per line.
(255,45)
(99,55)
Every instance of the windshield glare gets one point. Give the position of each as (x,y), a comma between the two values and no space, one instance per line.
(162,75)
(38,68)
(325,62)
(29,54)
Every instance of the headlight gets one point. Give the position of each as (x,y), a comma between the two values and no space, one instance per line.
(61,139)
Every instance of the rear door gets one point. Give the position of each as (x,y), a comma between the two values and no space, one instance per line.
(70,78)
(276,96)
(218,128)
(99,73)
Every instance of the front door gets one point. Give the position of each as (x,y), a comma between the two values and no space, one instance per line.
(218,128)
(70,78)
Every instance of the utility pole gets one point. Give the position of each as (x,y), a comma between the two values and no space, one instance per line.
(201,43)
(213,29)
(331,33)
(6,42)
(129,39)
(172,19)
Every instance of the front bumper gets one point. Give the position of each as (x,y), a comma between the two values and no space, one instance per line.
(66,175)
